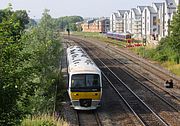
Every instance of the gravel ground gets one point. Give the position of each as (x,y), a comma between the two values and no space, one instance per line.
(115,116)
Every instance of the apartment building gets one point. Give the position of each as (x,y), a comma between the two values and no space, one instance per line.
(126,21)
(135,22)
(160,9)
(117,21)
(96,25)
(170,9)
(116,24)
(151,22)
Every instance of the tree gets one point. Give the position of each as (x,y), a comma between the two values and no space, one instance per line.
(175,35)
(43,42)
(63,22)
(13,88)
(169,47)
(29,65)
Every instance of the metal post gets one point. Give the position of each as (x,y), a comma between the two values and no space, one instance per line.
(169,17)
(144,44)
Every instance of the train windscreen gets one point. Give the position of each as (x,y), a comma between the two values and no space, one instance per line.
(85,81)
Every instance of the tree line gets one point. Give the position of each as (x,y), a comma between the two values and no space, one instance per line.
(69,22)
(29,65)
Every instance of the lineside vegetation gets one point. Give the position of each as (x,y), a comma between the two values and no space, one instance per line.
(29,66)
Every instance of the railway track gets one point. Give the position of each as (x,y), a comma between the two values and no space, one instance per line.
(143,81)
(137,88)
(88,118)
(139,68)
(160,72)
(136,101)
(143,63)
(154,118)
(145,114)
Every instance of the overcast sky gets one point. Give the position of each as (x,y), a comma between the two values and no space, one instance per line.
(84,8)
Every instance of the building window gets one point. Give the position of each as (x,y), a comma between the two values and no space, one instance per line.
(154,29)
(154,20)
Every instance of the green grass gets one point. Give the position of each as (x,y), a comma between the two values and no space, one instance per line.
(146,52)
(88,34)
(149,52)
(44,120)
(100,37)
(175,68)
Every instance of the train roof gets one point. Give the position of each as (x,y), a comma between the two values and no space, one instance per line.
(79,61)
(115,33)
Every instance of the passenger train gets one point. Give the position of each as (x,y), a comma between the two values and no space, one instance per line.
(84,80)
(119,36)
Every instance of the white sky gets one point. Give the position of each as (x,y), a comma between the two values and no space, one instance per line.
(84,8)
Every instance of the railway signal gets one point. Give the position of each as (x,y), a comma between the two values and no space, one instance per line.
(68,30)
(144,41)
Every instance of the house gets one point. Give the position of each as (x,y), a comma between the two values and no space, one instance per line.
(115,23)
(160,9)
(123,14)
(149,24)
(118,23)
(135,22)
(126,21)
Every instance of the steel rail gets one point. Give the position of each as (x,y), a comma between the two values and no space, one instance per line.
(146,85)
(144,77)
(157,116)
(134,94)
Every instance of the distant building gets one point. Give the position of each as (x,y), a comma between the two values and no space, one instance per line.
(126,21)
(135,22)
(96,25)
(151,22)
(170,9)
(119,21)
(160,9)
(140,9)
(116,23)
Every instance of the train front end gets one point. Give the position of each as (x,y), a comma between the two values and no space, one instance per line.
(85,91)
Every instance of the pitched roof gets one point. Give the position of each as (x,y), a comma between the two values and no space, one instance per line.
(141,8)
(121,12)
(158,5)
(137,13)
(116,15)
(170,3)
(151,9)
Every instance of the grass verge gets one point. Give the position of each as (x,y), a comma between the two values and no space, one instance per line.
(44,120)
(146,52)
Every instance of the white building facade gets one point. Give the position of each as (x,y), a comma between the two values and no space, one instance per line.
(135,22)
(151,22)
(170,9)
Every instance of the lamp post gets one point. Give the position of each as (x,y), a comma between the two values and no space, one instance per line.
(169,17)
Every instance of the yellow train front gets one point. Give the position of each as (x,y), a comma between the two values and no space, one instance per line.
(85,83)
